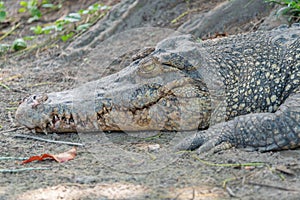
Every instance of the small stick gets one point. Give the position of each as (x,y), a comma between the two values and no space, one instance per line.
(9,32)
(13,158)
(22,169)
(5,86)
(19,90)
(272,186)
(255,164)
(230,192)
(11,130)
(47,140)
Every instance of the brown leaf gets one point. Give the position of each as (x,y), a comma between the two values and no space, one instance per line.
(62,157)
(65,156)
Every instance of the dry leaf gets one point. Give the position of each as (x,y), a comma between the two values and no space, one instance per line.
(62,157)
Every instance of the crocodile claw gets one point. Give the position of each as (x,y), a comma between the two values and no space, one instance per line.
(202,143)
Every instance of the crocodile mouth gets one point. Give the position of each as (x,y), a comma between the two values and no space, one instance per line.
(62,123)
(145,107)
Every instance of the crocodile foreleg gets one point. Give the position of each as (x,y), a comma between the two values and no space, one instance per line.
(256,131)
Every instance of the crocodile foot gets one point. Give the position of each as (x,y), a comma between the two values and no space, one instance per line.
(203,142)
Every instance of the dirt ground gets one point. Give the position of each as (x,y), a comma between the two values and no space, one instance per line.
(132,165)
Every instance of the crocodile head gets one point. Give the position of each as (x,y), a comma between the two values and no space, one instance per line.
(158,92)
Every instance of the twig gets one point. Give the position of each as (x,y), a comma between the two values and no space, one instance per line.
(40,84)
(229,164)
(22,169)
(11,130)
(13,158)
(5,86)
(11,109)
(47,140)
(9,32)
(183,15)
(19,90)
(230,192)
(272,186)
(224,185)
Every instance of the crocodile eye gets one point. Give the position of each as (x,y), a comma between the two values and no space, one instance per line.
(149,68)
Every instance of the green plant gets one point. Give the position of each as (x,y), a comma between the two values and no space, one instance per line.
(75,19)
(290,8)
(38,30)
(47,4)
(19,44)
(28,38)
(4,48)
(2,11)
(57,26)
(93,8)
(67,36)
(32,7)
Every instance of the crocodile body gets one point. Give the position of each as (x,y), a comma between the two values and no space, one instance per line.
(242,90)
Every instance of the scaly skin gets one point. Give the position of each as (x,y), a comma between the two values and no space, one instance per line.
(143,102)
(241,91)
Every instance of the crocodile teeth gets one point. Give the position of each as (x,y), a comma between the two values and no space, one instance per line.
(57,125)
(45,131)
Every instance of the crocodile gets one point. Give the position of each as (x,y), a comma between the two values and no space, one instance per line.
(241,91)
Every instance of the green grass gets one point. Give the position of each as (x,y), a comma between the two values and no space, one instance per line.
(290,8)
(2,11)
